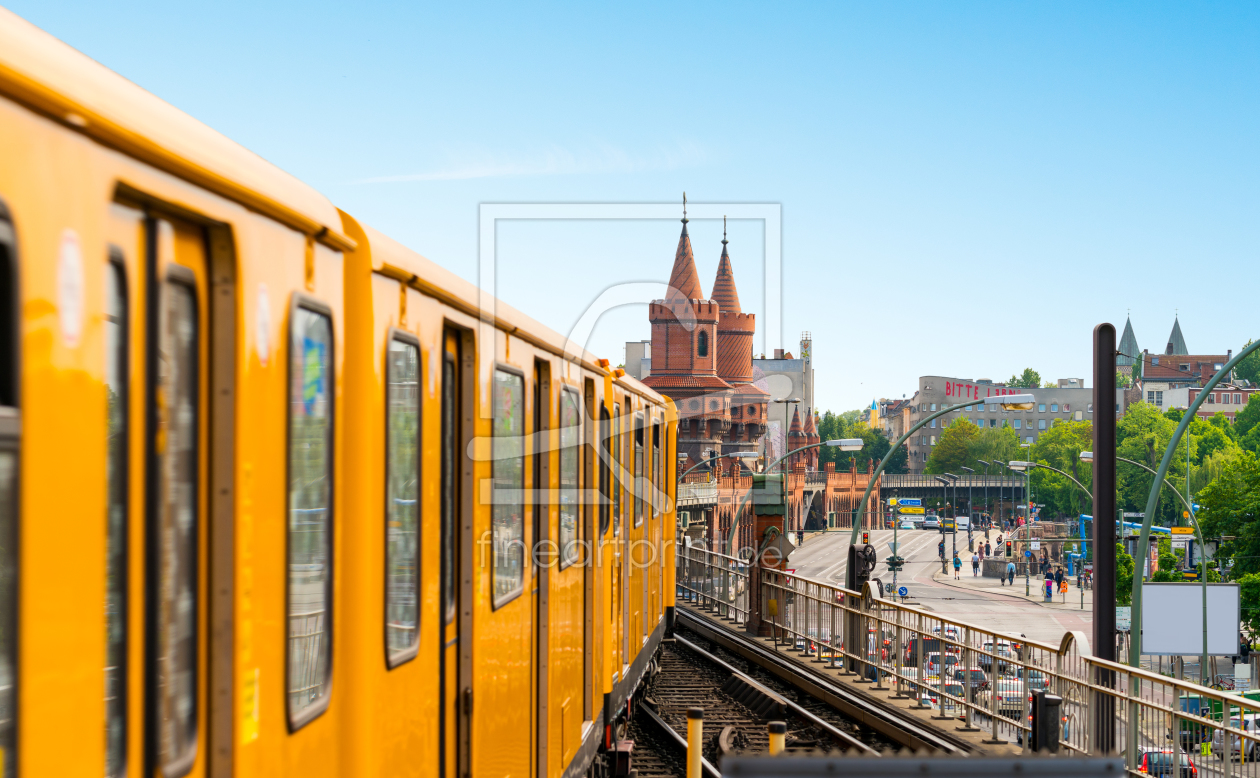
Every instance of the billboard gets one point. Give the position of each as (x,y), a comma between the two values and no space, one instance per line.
(1172,618)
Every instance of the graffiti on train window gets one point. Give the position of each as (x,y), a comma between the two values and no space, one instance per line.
(570,440)
(402,504)
(507,524)
(310,513)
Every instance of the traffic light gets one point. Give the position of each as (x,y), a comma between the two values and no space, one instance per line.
(866,537)
(1008,548)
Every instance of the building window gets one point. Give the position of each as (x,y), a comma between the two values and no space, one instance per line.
(1054,407)
(1041,424)
(933,440)
(1017,424)
(1028,439)
(1089,408)
(1155,360)
(1079,416)
(1238,399)
(1066,408)
(992,409)
(1213,398)
(702,344)
(1041,407)
(933,425)
(932,406)
(992,422)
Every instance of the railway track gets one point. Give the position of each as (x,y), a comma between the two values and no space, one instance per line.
(741,686)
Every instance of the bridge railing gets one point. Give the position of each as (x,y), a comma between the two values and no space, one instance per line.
(712,581)
(983,677)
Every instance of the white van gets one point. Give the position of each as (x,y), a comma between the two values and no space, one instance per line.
(962,523)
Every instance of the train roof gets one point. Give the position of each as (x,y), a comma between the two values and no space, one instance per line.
(62,83)
(391,258)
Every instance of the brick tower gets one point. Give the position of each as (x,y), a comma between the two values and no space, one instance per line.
(735,350)
(685,356)
(796,438)
(811,436)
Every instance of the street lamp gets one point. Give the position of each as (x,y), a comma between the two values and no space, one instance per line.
(987,509)
(1008,401)
(971,513)
(1088,456)
(945,501)
(1152,499)
(1028,498)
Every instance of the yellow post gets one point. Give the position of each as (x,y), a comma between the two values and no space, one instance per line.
(778,734)
(695,741)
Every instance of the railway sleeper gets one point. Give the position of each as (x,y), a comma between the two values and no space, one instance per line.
(757,698)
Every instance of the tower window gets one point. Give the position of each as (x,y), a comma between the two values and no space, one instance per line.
(702,344)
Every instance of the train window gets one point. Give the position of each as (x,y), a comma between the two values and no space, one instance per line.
(177,520)
(617,474)
(450,458)
(605,466)
(570,449)
(115,520)
(638,469)
(507,515)
(309,645)
(8,498)
(657,483)
(402,504)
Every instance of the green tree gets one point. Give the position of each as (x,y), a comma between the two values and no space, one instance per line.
(1249,593)
(1124,576)
(1246,419)
(1029,379)
(1142,435)
(1230,506)
(1174,415)
(1169,568)
(954,449)
(1248,368)
(875,443)
(1061,447)
(1123,381)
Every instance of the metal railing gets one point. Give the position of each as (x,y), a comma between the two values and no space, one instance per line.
(697,494)
(983,677)
(712,581)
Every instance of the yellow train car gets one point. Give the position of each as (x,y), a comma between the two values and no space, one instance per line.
(279,496)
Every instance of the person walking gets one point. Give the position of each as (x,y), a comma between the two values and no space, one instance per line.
(975,565)
(940,549)
(1049,585)
(957,567)
(1010,573)
(1058,578)
(988,551)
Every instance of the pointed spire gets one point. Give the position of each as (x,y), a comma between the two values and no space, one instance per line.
(796,430)
(1176,342)
(724,293)
(684,281)
(1128,348)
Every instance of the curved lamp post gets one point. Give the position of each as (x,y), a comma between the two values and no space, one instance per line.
(986,489)
(1152,499)
(844,444)
(1009,402)
(1088,456)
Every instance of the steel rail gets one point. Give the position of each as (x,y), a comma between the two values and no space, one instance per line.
(795,708)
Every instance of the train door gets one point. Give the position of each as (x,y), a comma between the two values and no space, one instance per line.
(454,683)
(619,540)
(158,284)
(541,559)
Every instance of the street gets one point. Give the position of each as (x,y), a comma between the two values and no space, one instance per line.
(823,557)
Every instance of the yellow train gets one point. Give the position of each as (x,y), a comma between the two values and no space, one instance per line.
(279,496)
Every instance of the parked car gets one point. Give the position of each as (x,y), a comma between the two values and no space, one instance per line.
(973,678)
(1011,698)
(1160,762)
(1250,724)
(1003,651)
(934,662)
(1036,678)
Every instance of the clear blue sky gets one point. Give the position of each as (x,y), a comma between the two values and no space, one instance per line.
(967,188)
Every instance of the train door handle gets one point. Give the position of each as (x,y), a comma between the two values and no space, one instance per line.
(467,701)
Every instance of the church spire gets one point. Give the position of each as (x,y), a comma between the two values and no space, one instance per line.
(684,282)
(1129,351)
(1176,342)
(724,293)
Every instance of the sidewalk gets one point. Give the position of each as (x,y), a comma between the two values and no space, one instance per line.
(993,586)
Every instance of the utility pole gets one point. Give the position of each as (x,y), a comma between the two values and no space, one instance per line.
(1104,637)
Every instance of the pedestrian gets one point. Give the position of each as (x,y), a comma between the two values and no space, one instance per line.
(1010,572)
(975,565)
(988,551)
(957,567)
(800,537)
(1049,584)
(940,549)
(1058,578)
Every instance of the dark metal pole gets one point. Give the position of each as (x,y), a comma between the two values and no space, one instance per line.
(1104,642)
